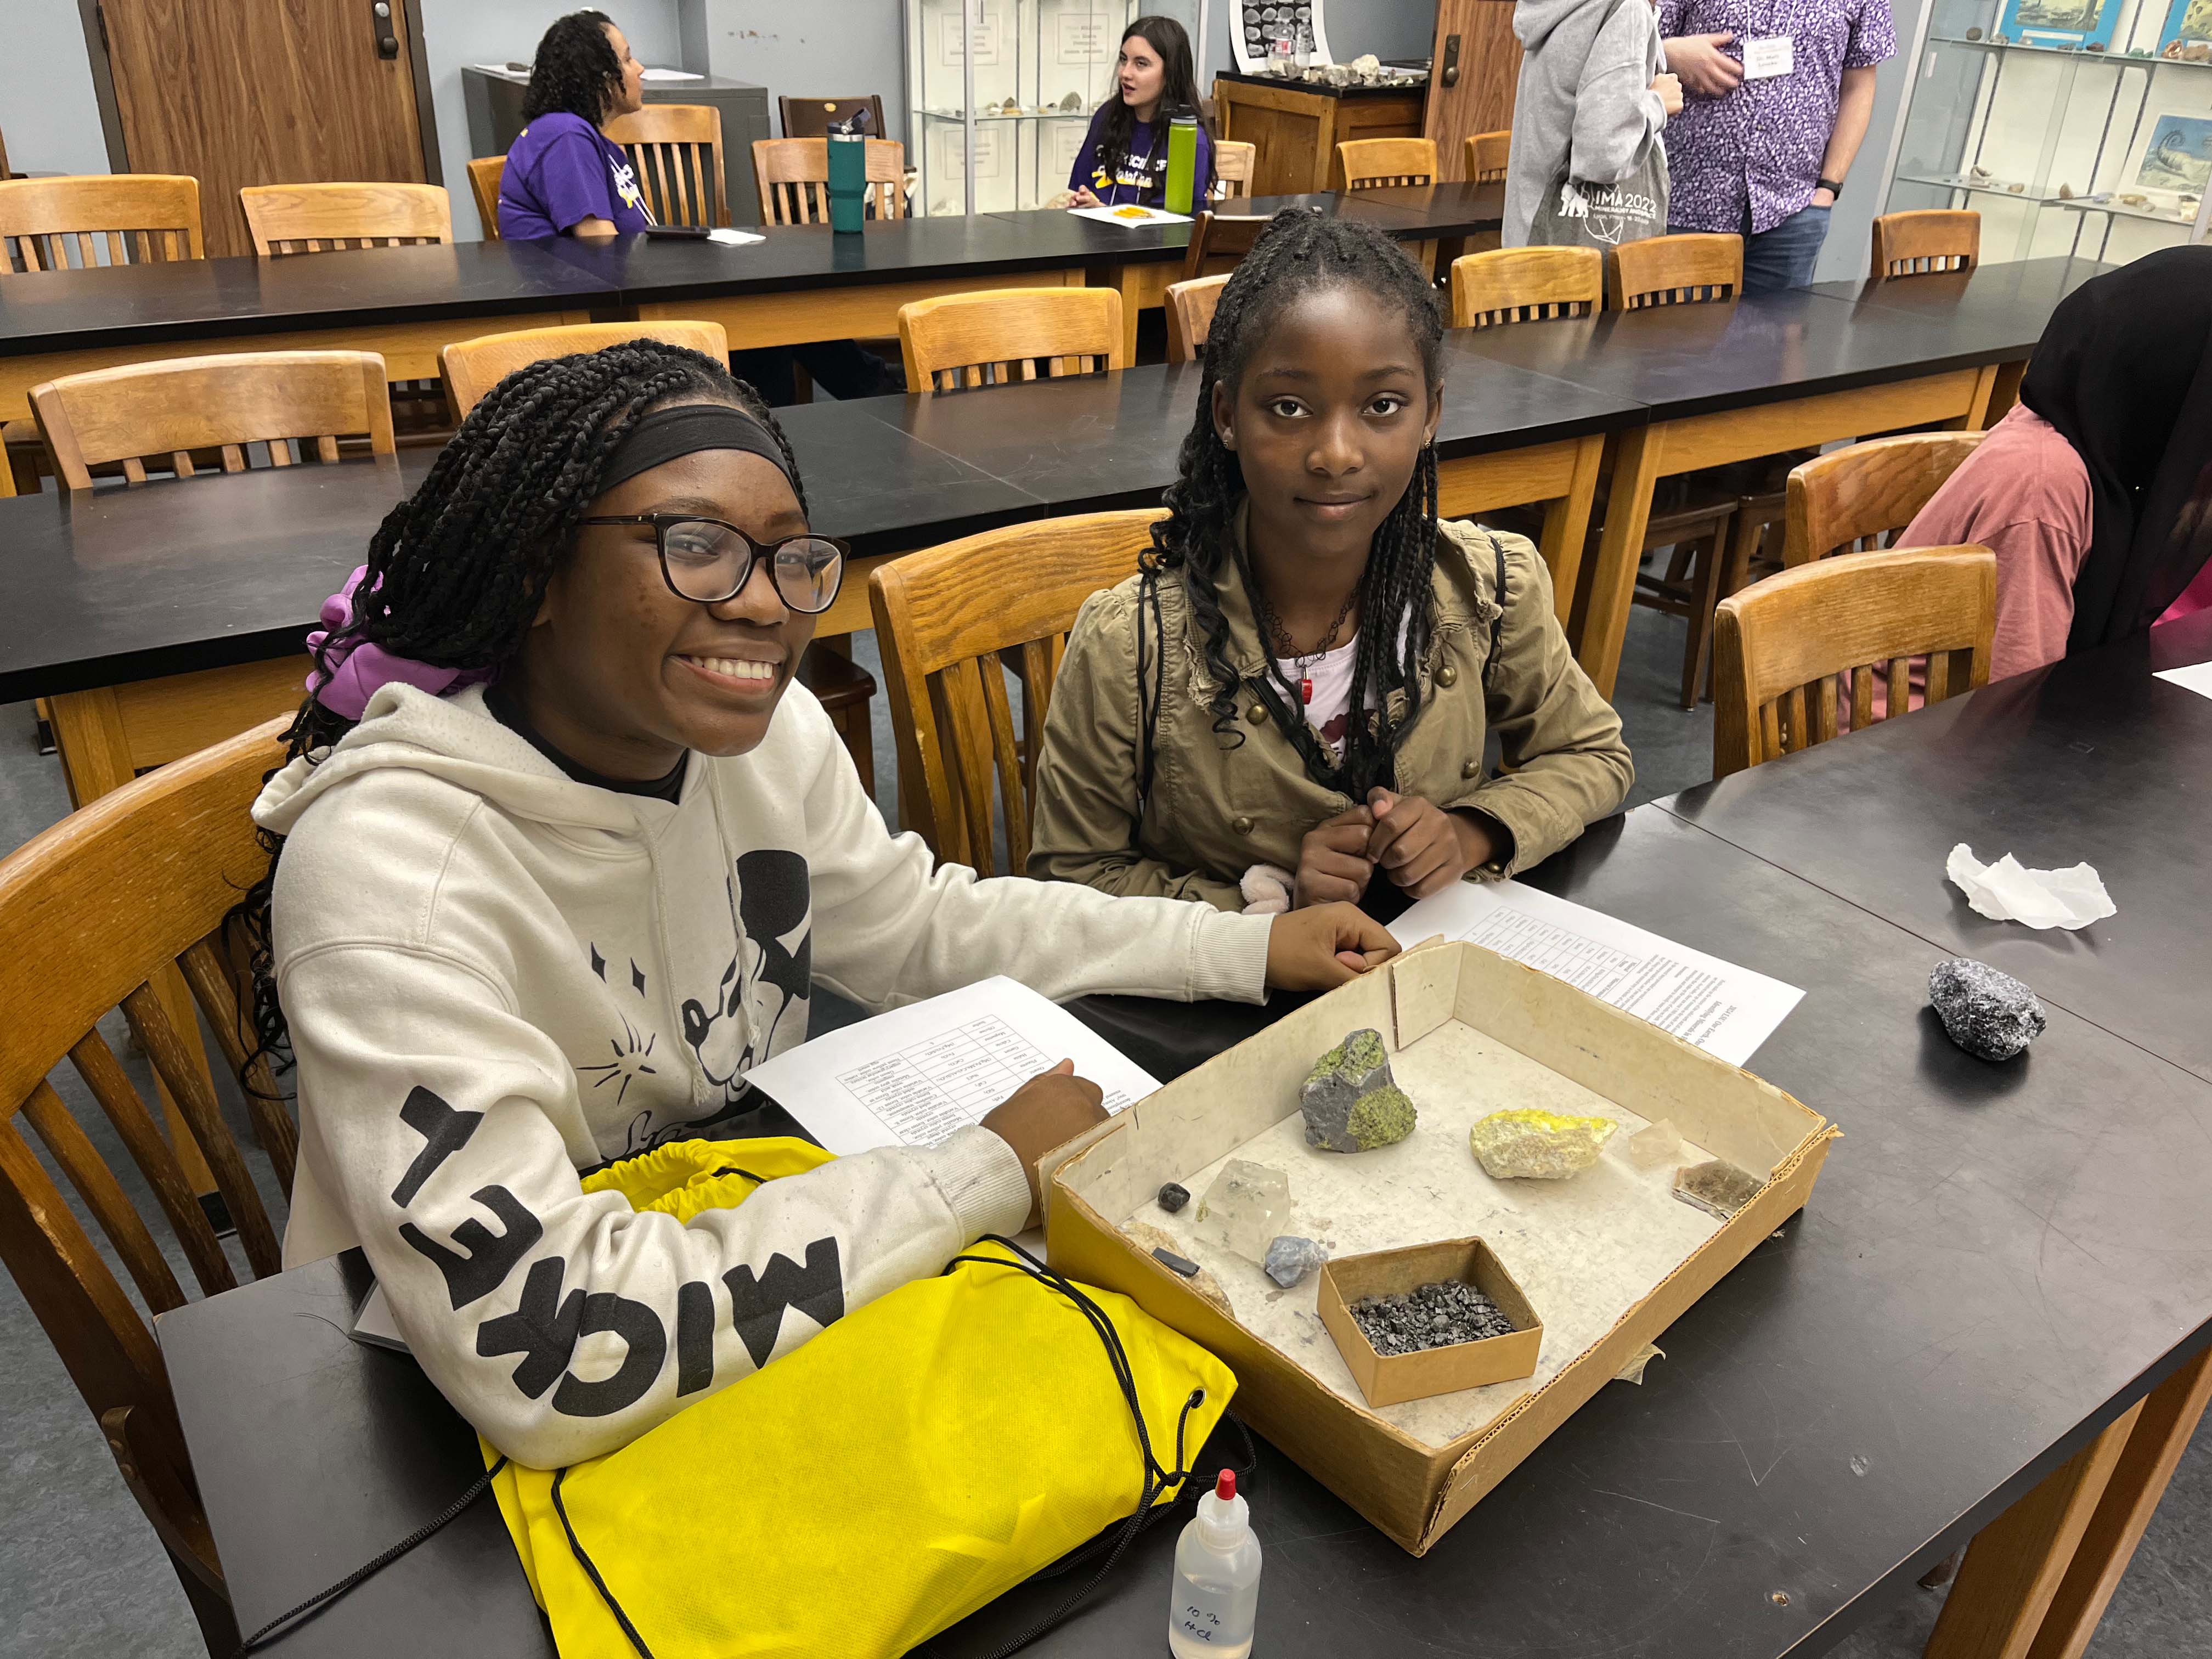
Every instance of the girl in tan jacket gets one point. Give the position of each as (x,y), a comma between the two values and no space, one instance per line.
(1295,693)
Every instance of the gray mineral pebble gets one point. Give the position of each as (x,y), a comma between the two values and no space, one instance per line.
(1173,1197)
(1430,1316)
(1290,1258)
(1183,1265)
(1992,1015)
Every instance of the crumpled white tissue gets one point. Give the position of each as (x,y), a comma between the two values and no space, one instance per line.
(2004,891)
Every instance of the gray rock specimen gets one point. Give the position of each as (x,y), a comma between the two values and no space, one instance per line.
(1350,1102)
(1174,1196)
(1290,1258)
(1717,1187)
(1429,1316)
(1182,1264)
(1992,1015)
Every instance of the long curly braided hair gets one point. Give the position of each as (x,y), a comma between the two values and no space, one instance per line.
(1298,255)
(457,572)
(575,71)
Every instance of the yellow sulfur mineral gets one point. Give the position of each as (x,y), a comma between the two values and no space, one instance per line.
(1540,1146)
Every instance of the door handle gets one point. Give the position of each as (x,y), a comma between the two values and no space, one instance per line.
(1451,60)
(388,43)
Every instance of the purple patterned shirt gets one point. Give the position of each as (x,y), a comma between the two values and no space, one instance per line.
(1762,144)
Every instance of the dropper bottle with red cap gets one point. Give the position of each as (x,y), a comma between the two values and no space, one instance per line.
(1216,1594)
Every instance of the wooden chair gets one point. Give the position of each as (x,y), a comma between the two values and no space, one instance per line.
(1780,645)
(486,174)
(322,218)
(1487,154)
(164,411)
(1218,236)
(1526,285)
(473,368)
(136,218)
(1191,306)
(677,149)
(952,624)
(793,177)
(115,898)
(1844,502)
(1378,163)
(810,118)
(957,340)
(1695,268)
(1232,164)
(1920,243)
(4,173)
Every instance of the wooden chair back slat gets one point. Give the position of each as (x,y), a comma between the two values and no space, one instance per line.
(486,174)
(323,218)
(1926,241)
(43,220)
(1218,236)
(1191,306)
(957,340)
(145,409)
(810,118)
(119,892)
(1526,285)
(1378,163)
(1487,156)
(1694,269)
(1845,501)
(677,150)
(223,997)
(103,1195)
(1779,645)
(473,368)
(793,175)
(951,624)
(1233,162)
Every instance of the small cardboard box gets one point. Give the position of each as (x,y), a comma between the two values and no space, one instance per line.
(1611,1256)
(1391,1379)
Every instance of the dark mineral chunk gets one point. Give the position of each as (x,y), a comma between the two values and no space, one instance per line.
(1174,1197)
(1992,1015)
(1183,1265)
(1428,1316)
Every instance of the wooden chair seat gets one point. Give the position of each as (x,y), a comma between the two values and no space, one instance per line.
(677,151)
(953,623)
(1781,646)
(486,174)
(962,340)
(847,692)
(793,175)
(124,898)
(1378,163)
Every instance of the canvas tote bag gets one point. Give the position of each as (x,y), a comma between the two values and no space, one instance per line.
(1576,213)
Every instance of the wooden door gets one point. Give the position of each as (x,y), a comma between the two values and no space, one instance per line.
(263,92)
(1472,77)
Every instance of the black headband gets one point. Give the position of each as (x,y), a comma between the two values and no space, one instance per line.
(663,434)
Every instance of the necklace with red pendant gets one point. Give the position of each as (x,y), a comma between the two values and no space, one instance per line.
(1280,643)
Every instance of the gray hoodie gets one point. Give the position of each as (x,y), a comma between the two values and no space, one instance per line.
(1585,94)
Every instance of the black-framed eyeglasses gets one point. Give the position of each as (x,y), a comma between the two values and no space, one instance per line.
(708,560)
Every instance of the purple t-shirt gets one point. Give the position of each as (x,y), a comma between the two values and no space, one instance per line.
(1141,177)
(1762,144)
(561,171)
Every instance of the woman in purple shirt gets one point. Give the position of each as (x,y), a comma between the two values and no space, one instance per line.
(1124,159)
(564,176)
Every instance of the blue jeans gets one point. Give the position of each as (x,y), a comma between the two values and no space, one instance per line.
(1784,255)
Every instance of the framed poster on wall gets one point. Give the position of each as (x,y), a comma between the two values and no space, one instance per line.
(1253,24)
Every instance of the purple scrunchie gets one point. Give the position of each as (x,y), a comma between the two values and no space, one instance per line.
(357,669)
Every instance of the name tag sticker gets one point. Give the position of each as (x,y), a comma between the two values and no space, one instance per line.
(1765,58)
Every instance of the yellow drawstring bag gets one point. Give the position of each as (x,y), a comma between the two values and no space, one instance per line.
(921,1455)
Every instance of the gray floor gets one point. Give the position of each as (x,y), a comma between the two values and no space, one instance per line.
(82,1575)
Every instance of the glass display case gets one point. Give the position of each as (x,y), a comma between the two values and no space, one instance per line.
(2074,126)
(1041,70)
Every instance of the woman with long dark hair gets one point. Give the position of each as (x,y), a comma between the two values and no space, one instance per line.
(564,176)
(1124,159)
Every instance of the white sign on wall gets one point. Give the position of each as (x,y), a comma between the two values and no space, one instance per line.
(987,40)
(1084,38)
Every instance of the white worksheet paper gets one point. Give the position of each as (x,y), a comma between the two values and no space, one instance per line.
(2197,678)
(913,1076)
(1723,1009)
(1120,216)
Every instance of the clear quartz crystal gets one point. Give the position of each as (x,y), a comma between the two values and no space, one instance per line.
(1245,1208)
(1656,1146)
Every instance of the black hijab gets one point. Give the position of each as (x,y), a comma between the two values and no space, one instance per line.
(2124,373)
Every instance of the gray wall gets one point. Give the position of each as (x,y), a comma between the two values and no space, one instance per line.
(1851,227)
(822,48)
(47,112)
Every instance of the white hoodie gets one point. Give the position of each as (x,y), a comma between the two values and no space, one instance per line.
(497,977)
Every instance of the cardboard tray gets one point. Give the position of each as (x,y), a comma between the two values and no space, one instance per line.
(1413,1470)
(1393,1379)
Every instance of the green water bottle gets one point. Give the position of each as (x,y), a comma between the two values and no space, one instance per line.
(848,180)
(1182,162)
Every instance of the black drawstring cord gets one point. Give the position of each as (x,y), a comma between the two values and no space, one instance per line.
(322,1599)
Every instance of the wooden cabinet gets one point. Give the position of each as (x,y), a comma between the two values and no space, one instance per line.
(1295,126)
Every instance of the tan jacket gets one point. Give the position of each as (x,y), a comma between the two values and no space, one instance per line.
(1219,806)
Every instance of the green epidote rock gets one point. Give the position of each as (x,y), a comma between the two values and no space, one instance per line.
(1350,1100)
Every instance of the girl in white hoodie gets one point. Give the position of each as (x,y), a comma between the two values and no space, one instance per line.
(1593,96)
(562,851)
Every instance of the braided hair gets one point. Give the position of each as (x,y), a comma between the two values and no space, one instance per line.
(577,71)
(1298,255)
(456,573)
